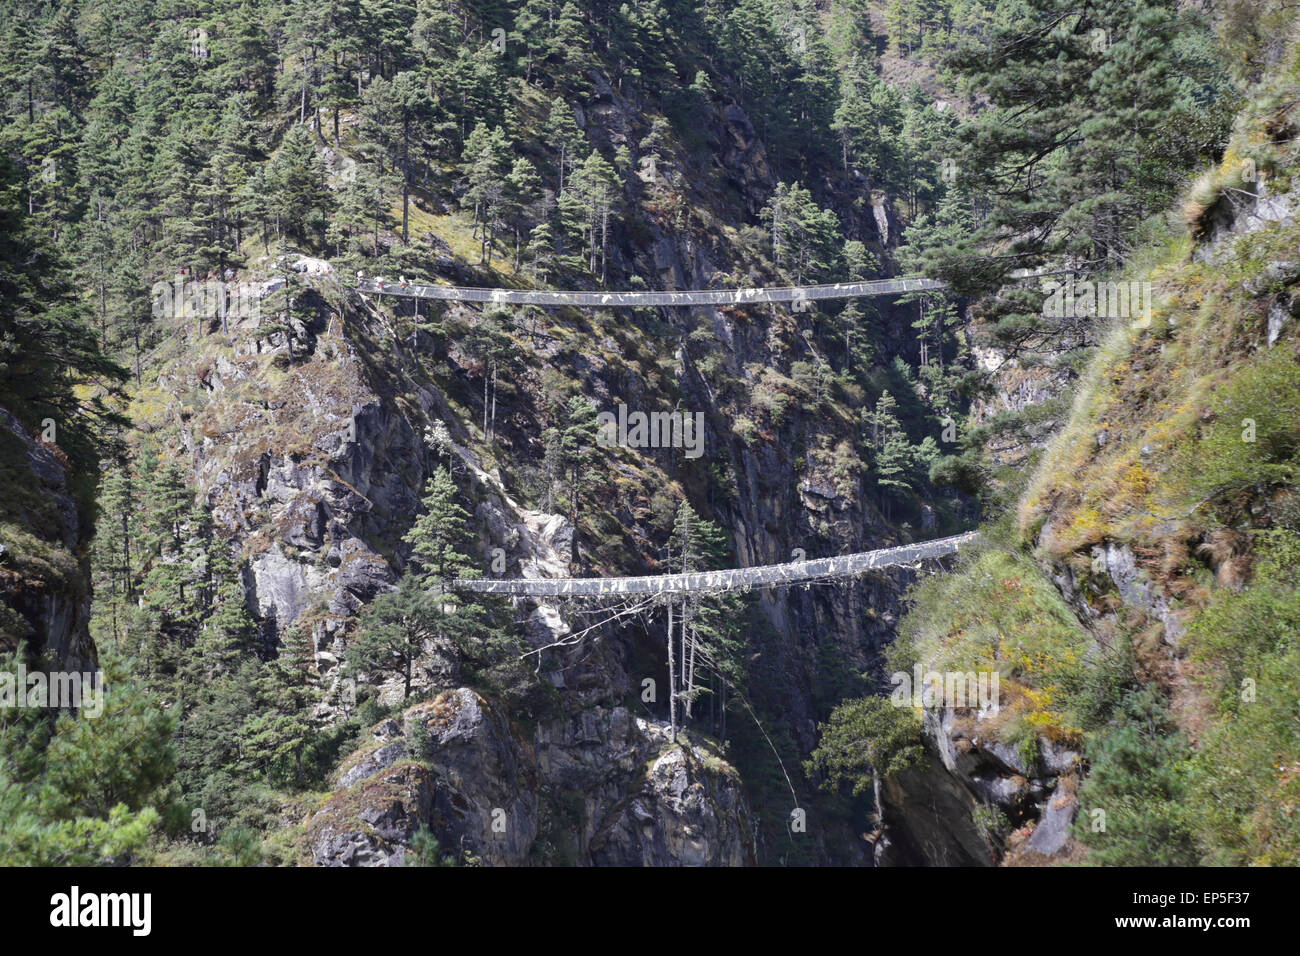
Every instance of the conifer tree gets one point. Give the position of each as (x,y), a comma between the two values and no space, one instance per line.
(439,533)
(578,454)
(565,140)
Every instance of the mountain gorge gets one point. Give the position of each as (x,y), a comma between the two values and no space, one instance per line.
(240,487)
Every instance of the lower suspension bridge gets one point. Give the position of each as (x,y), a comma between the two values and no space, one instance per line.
(770,575)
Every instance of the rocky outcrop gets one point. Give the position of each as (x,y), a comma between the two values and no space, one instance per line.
(44,575)
(685,813)
(493,797)
(372,823)
(931,814)
(928,818)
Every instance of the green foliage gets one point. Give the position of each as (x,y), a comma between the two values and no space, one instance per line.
(1244,782)
(1253,435)
(77,789)
(1138,778)
(806,243)
(421,625)
(864,739)
(1086,136)
(713,627)
(47,346)
(439,531)
(996,610)
(395,628)
(425,851)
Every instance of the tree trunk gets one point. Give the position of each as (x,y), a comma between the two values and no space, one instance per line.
(406,178)
(672,680)
(494,398)
(690,669)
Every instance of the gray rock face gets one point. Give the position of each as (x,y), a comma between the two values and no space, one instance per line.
(379,760)
(485,787)
(1120,565)
(1278,313)
(743,152)
(929,820)
(928,813)
(311,478)
(46,598)
(1053,831)
(1226,222)
(372,824)
(484,794)
(682,815)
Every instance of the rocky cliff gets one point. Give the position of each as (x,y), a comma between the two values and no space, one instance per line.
(1146,516)
(44,560)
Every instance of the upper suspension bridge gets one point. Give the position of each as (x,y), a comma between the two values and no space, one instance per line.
(548,297)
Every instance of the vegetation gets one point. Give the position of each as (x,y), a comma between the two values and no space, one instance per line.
(866,739)
(615,146)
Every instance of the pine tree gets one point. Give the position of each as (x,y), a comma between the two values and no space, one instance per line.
(588,206)
(298,197)
(438,533)
(806,240)
(1082,102)
(708,628)
(170,541)
(229,632)
(867,122)
(564,138)
(484,166)
(491,344)
(578,454)
(894,455)
(283,723)
(521,202)
(395,630)
(81,789)
(112,556)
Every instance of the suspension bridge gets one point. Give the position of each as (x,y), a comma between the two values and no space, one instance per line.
(547,297)
(769,575)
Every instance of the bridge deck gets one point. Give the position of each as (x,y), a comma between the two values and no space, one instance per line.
(794,572)
(809,293)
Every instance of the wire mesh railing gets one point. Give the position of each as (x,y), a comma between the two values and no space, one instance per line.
(795,572)
(807,293)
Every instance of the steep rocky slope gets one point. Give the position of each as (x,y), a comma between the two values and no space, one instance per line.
(1167,500)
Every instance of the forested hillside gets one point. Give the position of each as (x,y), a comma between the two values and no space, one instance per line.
(242,489)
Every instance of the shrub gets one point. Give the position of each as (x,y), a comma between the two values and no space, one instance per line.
(1138,778)
(1253,436)
(864,738)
